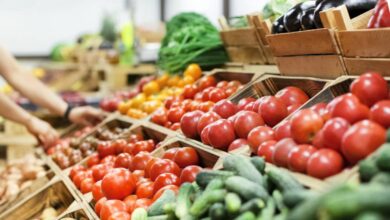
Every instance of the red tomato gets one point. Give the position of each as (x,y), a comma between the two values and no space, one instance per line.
(99,171)
(221,134)
(123,160)
(282,149)
(86,185)
(97,192)
(129,148)
(237,144)
(118,184)
(206,94)
(140,160)
(324,163)
(174,188)
(110,207)
(259,135)
(119,145)
(348,107)
(266,150)
(175,114)
(333,132)
(321,109)
(133,138)
(304,125)
(189,173)
(204,136)
(189,124)
(76,169)
(245,121)
(283,131)
(165,179)
(105,148)
(362,139)
(146,146)
(145,190)
(244,102)
(109,160)
(138,175)
(234,83)
(164,166)
(99,204)
(292,95)
(130,202)
(222,84)
(206,119)
(292,108)
(186,156)
(120,216)
(206,81)
(187,104)
(160,116)
(93,159)
(299,156)
(380,113)
(225,108)
(217,94)
(170,100)
(190,91)
(272,110)
(250,107)
(205,106)
(142,203)
(170,153)
(78,178)
(370,88)
(256,104)
(318,140)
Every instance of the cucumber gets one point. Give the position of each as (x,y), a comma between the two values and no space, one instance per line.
(246,216)
(246,188)
(283,180)
(139,214)
(368,169)
(282,216)
(233,203)
(169,208)
(381,178)
(217,211)
(369,216)
(269,211)
(294,198)
(183,200)
(243,167)
(158,217)
(259,163)
(383,161)
(214,184)
(278,198)
(253,205)
(157,207)
(388,135)
(205,176)
(202,204)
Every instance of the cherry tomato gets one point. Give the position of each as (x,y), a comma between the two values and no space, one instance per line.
(244,102)
(145,190)
(105,148)
(93,159)
(380,113)
(97,192)
(237,144)
(283,131)
(130,202)
(170,153)
(118,184)
(221,134)
(160,116)
(175,126)
(189,173)
(120,216)
(140,160)
(333,132)
(370,88)
(99,204)
(266,150)
(217,94)
(86,185)
(186,156)
(225,108)
(165,179)
(142,203)
(206,119)
(282,149)
(292,95)
(272,110)
(362,139)
(123,160)
(204,136)
(304,125)
(245,121)
(175,114)
(110,207)
(206,81)
(189,124)
(259,135)
(174,188)
(298,157)
(190,91)
(324,163)
(163,166)
(76,169)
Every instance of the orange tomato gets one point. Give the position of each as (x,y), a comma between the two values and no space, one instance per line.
(162,80)
(123,107)
(173,81)
(194,71)
(136,113)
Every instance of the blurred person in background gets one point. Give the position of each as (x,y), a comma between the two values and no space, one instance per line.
(33,89)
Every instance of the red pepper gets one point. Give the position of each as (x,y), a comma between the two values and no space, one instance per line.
(381,15)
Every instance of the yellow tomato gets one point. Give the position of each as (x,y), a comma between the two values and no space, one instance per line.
(123,107)
(194,71)
(173,81)
(188,80)
(151,88)
(138,100)
(136,113)
(162,80)
(151,106)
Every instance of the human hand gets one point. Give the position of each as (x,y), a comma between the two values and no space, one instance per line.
(86,115)
(43,131)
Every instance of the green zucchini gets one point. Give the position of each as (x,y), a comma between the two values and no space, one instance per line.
(253,205)
(294,198)
(202,204)
(139,214)
(368,169)
(243,167)
(283,180)
(157,208)
(183,200)
(269,211)
(246,188)
(233,203)
(369,216)
(246,216)
(206,176)
(381,178)
(259,163)
(217,211)
(383,161)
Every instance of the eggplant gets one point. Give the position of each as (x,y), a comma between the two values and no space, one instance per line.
(278,26)
(307,19)
(292,19)
(355,8)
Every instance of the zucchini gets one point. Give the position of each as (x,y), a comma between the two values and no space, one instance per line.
(214,184)
(139,214)
(157,208)
(205,176)
(183,200)
(269,211)
(253,205)
(294,198)
(369,216)
(246,188)
(246,216)
(233,203)
(368,169)
(259,163)
(383,161)
(381,178)
(243,167)
(202,204)
(217,211)
(283,180)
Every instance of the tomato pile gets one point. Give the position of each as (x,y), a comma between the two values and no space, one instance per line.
(323,139)
(228,126)
(123,175)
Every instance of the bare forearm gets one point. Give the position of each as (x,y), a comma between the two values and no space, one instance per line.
(12,111)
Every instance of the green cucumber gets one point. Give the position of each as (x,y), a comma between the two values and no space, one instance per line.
(253,205)
(381,178)
(294,198)
(368,169)
(183,200)
(243,167)
(259,163)
(217,211)
(388,135)
(269,211)
(169,208)
(214,184)
(246,188)
(278,198)
(246,216)
(369,216)
(204,177)
(383,161)
(157,208)
(139,214)
(283,180)
(202,204)
(282,216)
(233,203)
(158,217)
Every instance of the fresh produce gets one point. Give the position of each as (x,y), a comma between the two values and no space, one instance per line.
(381,16)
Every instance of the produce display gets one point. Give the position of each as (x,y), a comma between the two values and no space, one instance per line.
(381,16)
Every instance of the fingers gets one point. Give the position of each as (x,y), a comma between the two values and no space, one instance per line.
(48,136)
